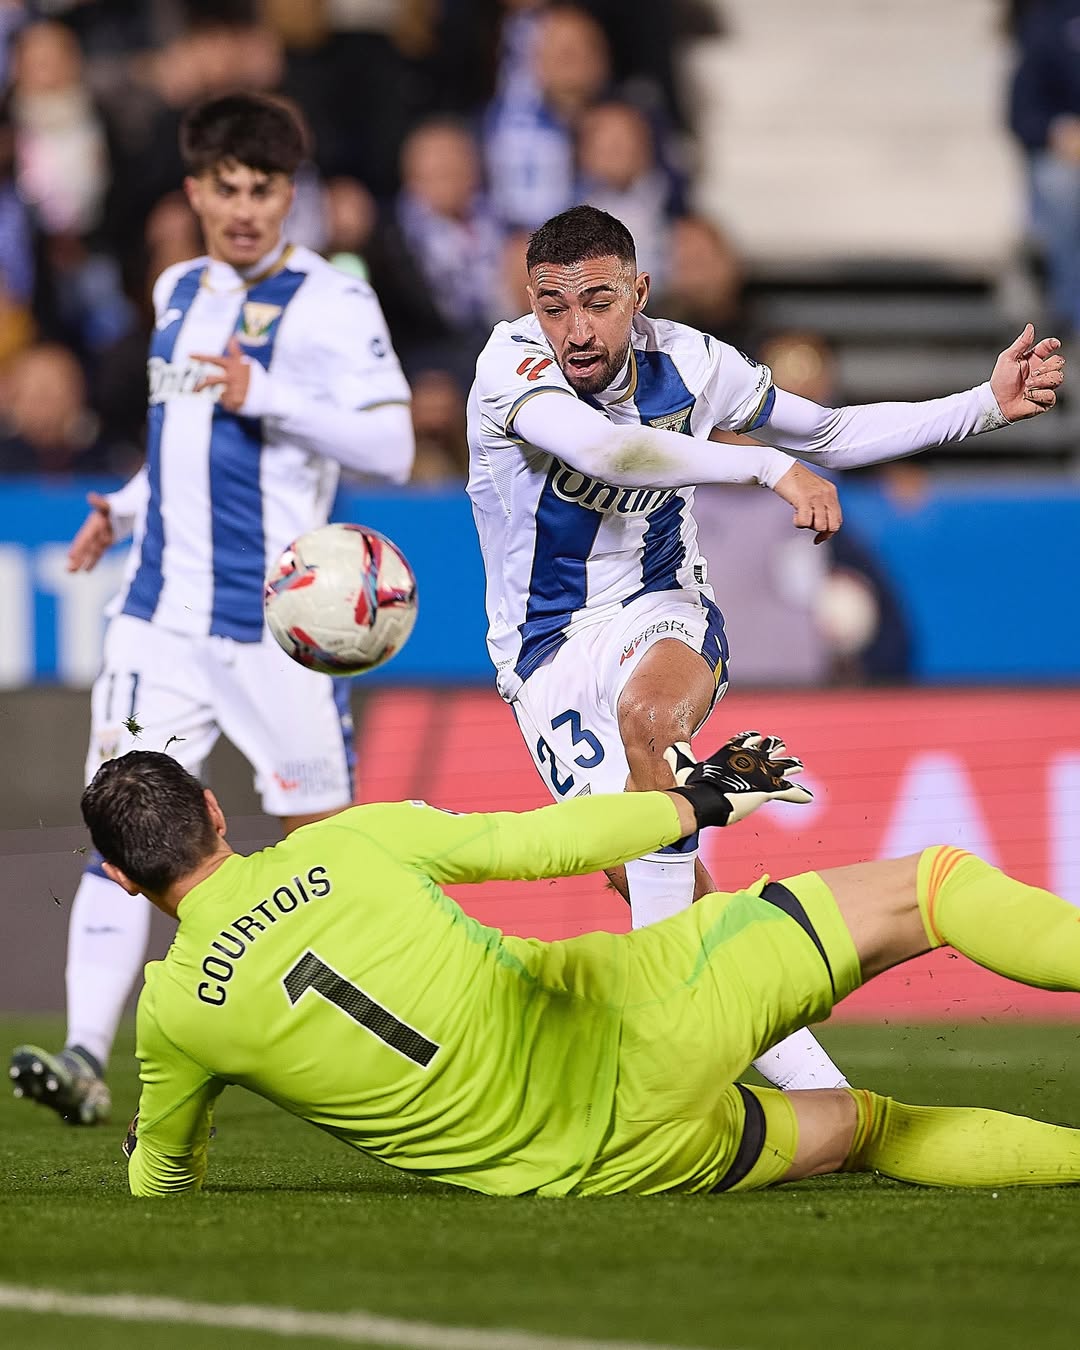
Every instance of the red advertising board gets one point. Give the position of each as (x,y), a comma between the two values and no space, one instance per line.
(994,771)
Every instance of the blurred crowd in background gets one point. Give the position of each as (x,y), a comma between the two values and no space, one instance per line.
(441,133)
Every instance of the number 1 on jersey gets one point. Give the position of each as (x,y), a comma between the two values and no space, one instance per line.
(312,973)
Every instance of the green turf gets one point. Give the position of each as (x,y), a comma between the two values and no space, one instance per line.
(294,1218)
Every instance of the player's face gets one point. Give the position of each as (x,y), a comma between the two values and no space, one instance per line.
(586,310)
(241,210)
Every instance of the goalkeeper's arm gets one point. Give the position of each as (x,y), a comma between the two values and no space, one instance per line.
(587,834)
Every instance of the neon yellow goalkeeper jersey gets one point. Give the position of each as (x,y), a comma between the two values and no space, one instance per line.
(332,975)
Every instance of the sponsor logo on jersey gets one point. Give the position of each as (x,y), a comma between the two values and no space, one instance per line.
(173,379)
(662,628)
(675,421)
(256,320)
(573,486)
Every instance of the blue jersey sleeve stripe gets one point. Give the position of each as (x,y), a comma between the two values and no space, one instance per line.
(764,411)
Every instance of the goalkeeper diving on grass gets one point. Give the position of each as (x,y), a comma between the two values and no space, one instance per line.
(332,975)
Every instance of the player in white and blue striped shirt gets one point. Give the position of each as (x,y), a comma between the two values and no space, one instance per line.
(589,424)
(269,369)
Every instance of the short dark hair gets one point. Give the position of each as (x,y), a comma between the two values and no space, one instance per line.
(147,816)
(581,232)
(249,129)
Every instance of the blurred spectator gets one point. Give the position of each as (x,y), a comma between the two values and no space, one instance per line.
(856,608)
(436,253)
(357,67)
(12,17)
(704,282)
(438,411)
(61,162)
(46,424)
(530,128)
(16,327)
(145,102)
(62,172)
(801,614)
(350,221)
(172,235)
(619,172)
(511,295)
(1045,118)
(16,244)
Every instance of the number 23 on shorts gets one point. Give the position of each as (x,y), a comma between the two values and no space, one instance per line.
(579,737)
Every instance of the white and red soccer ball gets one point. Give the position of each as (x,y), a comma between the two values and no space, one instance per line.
(341,599)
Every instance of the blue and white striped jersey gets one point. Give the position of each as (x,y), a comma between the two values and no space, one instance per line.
(561,549)
(228,492)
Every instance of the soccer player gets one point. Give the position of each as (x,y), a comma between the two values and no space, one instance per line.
(332,975)
(268,370)
(589,425)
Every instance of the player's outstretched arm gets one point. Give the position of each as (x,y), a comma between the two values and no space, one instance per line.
(585,834)
(639,456)
(1024,383)
(167,1142)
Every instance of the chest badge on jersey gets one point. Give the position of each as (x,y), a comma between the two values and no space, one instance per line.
(675,421)
(256,320)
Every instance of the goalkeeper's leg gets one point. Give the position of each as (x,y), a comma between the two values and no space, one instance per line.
(665,701)
(899,909)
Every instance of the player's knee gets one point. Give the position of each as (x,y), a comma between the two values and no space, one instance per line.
(648,727)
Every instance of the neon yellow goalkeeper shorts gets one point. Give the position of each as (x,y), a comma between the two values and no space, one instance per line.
(709,991)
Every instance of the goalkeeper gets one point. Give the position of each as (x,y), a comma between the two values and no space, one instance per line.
(333,976)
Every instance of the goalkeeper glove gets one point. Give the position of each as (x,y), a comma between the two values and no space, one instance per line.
(748,770)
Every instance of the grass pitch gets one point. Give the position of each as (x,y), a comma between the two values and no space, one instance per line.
(296,1220)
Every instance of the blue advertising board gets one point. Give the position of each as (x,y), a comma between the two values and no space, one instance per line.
(986,574)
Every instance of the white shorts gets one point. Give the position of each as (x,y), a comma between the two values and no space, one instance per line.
(567,709)
(181,692)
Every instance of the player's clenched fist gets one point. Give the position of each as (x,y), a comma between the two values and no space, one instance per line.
(815,499)
(747,770)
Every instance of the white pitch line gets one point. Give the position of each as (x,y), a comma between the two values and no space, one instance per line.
(357,1328)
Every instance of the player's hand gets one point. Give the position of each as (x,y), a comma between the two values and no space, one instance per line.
(233,375)
(815,499)
(1026,376)
(747,770)
(96,535)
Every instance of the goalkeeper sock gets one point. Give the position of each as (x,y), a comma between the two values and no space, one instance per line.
(107,936)
(959,1145)
(1005,925)
(799,1061)
(660,886)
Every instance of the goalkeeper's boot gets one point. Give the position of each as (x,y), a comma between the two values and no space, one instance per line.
(70,1083)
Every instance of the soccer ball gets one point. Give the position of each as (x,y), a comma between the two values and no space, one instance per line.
(341,599)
